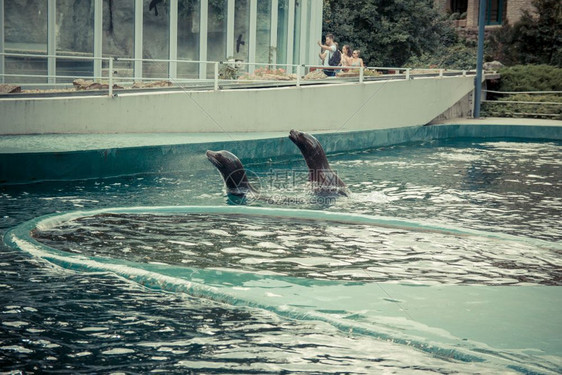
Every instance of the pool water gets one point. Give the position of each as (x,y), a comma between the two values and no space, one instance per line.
(468,294)
(316,250)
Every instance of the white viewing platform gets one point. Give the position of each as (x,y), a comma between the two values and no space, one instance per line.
(225,106)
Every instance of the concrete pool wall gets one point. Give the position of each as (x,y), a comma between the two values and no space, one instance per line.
(25,159)
(389,103)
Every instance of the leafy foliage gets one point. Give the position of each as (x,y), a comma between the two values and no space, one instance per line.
(531,78)
(388,32)
(526,109)
(461,55)
(535,39)
(528,78)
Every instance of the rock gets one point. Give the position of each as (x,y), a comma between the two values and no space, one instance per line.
(141,85)
(9,89)
(423,71)
(276,77)
(82,84)
(50,91)
(266,77)
(372,73)
(316,74)
(350,73)
(493,65)
(97,86)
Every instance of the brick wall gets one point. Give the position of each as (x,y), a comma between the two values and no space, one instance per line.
(472,13)
(512,10)
(515,9)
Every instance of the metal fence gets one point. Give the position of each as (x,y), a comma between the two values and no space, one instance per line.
(118,74)
(538,104)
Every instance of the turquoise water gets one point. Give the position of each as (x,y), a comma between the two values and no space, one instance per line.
(457,269)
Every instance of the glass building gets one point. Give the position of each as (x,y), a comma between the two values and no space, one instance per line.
(41,39)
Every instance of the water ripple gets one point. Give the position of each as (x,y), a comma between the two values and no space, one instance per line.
(319,250)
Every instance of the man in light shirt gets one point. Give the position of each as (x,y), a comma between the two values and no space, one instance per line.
(328,51)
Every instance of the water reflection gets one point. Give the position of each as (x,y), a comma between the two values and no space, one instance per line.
(310,249)
(61,321)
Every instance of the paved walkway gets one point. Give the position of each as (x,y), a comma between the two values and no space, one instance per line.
(81,142)
(13,144)
(500,121)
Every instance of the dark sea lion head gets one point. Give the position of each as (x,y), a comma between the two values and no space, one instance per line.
(324,179)
(311,150)
(232,171)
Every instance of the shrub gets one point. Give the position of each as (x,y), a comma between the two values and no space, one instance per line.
(522,78)
(535,39)
(499,46)
(387,32)
(525,109)
(456,56)
(531,78)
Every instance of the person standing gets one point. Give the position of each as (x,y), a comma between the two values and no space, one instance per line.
(329,51)
(356,60)
(346,57)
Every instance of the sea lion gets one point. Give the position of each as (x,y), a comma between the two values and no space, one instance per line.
(233,173)
(325,182)
(323,179)
(238,188)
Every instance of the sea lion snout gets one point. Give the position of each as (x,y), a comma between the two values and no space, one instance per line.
(320,173)
(304,141)
(232,171)
(294,135)
(213,158)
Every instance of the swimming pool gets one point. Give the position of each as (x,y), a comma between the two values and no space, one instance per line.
(445,259)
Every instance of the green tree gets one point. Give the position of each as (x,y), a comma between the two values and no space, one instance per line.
(535,39)
(460,55)
(538,38)
(388,32)
(530,78)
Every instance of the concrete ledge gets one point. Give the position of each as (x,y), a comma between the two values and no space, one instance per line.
(25,166)
(500,121)
(336,107)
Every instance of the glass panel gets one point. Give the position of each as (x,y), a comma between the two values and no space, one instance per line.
(25,32)
(297,43)
(305,58)
(188,38)
(216,30)
(156,30)
(118,37)
(75,38)
(264,52)
(242,31)
(282,33)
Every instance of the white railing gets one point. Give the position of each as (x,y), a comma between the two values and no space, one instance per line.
(554,108)
(224,74)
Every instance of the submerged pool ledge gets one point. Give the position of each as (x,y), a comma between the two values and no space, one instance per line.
(34,158)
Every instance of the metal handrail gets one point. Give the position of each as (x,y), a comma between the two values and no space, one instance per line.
(111,78)
(519,102)
(551,106)
(523,92)
(43,56)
